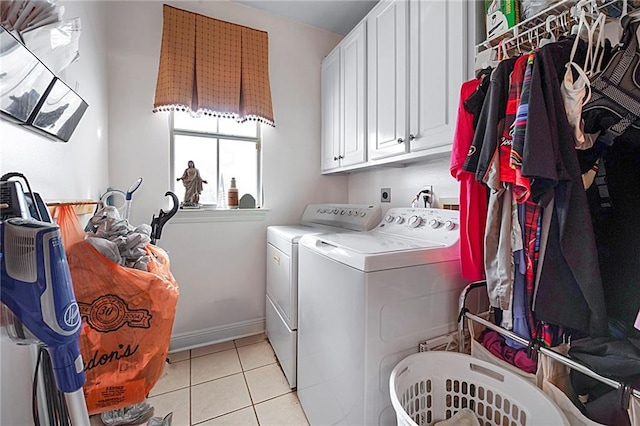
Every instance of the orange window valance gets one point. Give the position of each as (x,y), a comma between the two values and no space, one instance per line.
(212,67)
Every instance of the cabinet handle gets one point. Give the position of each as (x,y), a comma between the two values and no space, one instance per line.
(400,140)
(411,136)
(335,158)
(276,258)
(340,157)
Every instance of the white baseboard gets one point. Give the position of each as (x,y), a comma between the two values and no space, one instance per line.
(209,336)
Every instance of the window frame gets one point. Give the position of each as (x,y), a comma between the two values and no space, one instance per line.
(257,140)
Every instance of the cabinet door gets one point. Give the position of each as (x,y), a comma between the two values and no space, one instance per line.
(353,79)
(330,98)
(437,69)
(387,30)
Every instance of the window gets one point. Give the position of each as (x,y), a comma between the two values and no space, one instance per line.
(220,148)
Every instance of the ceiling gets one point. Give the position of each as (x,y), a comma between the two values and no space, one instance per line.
(336,16)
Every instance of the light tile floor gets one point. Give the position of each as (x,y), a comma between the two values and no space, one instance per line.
(232,383)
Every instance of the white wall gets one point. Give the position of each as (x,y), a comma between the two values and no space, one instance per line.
(405,183)
(220,266)
(77,169)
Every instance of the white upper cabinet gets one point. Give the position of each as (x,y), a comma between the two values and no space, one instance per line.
(330,98)
(344,138)
(387,78)
(437,68)
(354,87)
(417,52)
(390,89)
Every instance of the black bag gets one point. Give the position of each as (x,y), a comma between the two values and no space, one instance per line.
(614,107)
(617,358)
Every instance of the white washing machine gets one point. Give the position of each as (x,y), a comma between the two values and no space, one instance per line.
(366,301)
(282,271)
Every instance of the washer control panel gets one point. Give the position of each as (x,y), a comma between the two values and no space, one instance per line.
(424,223)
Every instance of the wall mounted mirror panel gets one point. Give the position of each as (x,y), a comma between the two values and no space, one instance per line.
(23,79)
(32,96)
(60,111)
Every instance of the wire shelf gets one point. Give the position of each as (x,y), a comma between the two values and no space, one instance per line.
(556,17)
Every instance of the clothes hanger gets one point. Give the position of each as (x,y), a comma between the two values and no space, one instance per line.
(565,23)
(551,36)
(597,54)
(615,27)
(503,48)
(595,46)
(592,6)
(625,9)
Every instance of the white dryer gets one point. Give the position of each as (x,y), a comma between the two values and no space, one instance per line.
(366,301)
(282,271)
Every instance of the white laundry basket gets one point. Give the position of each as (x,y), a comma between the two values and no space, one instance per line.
(433,386)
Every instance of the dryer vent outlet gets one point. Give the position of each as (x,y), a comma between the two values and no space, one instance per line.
(385,195)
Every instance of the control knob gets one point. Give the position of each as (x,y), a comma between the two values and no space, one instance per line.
(449,225)
(389,219)
(399,219)
(415,221)
(434,223)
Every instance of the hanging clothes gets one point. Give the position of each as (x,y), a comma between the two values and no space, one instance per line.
(570,289)
(524,323)
(473,195)
(522,186)
(576,91)
(502,229)
(487,131)
(534,229)
(516,81)
(617,227)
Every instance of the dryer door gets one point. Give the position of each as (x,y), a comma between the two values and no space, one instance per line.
(282,284)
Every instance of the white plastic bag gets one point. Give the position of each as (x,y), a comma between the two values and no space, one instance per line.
(56,45)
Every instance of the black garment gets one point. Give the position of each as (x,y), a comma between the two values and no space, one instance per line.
(605,406)
(618,359)
(617,228)
(570,289)
(488,131)
(474,103)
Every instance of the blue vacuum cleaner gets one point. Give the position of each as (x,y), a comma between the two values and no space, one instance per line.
(36,286)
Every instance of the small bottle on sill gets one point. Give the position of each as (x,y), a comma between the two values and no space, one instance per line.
(232,198)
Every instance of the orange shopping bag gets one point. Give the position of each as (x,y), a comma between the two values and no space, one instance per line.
(127,317)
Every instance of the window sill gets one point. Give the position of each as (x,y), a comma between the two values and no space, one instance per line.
(206,215)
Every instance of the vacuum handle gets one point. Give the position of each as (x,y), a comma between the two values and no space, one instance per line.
(67,366)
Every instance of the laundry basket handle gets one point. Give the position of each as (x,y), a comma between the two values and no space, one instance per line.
(486,371)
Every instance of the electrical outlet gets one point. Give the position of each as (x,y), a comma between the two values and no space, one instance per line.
(385,195)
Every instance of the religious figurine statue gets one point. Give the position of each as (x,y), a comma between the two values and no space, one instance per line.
(192,185)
